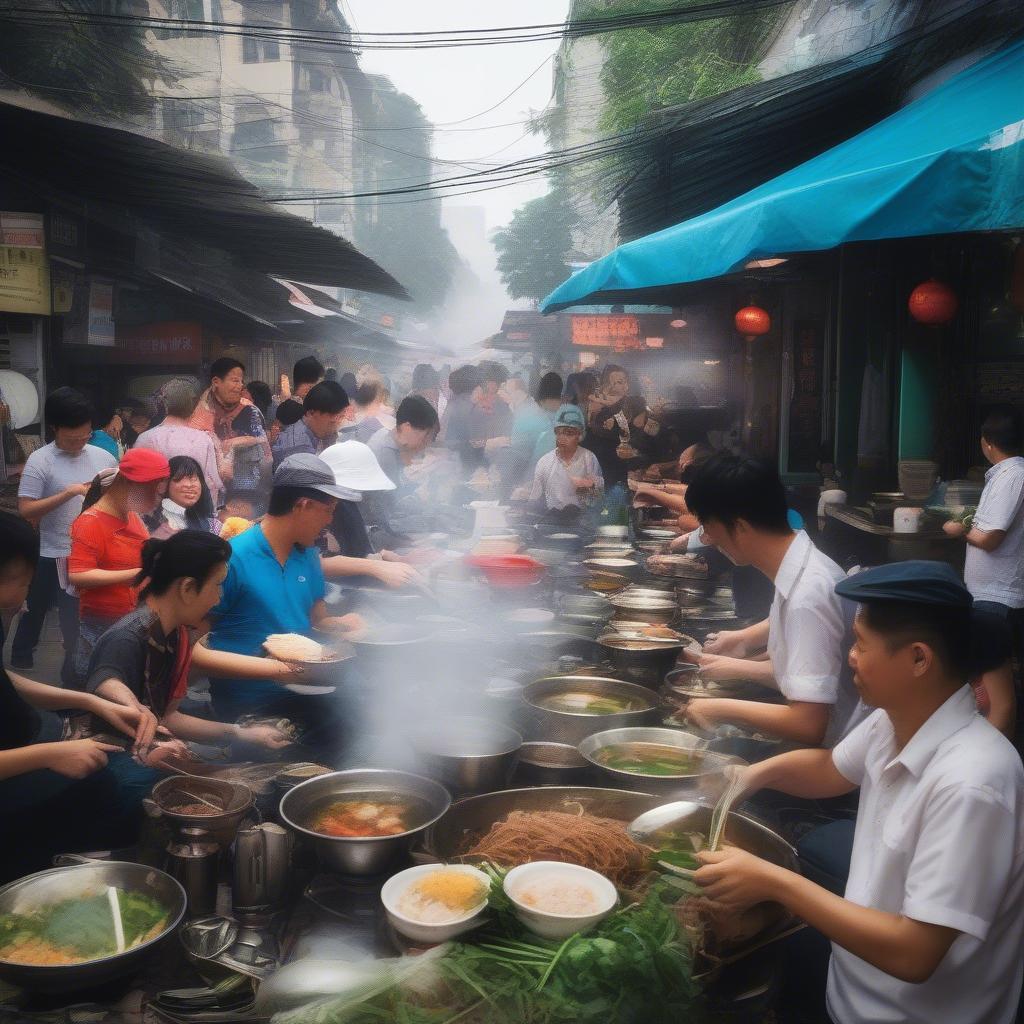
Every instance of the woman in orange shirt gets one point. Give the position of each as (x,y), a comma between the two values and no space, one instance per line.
(106,545)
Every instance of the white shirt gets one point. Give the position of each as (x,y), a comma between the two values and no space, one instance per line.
(552,477)
(999,575)
(48,471)
(810,630)
(939,839)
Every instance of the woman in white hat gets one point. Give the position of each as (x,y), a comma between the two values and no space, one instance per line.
(356,470)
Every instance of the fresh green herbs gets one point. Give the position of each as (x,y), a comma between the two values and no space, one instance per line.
(634,968)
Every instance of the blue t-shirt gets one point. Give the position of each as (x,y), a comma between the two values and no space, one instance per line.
(260,596)
(103,440)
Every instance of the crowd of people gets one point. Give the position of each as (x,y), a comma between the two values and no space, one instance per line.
(225,514)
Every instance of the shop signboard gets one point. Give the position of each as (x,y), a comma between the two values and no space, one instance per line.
(616,332)
(167,343)
(101,313)
(24,274)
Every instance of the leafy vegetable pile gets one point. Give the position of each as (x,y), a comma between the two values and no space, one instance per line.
(84,928)
(634,968)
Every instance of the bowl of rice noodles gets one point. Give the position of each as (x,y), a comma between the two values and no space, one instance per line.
(74,927)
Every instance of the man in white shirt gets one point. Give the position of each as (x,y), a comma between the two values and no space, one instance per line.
(53,484)
(741,504)
(994,567)
(932,923)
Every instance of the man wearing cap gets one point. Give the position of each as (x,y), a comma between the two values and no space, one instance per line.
(568,475)
(275,585)
(932,922)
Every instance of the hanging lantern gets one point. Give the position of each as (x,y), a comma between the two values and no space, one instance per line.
(752,322)
(933,303)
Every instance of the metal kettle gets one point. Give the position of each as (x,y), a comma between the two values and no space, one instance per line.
(261,867)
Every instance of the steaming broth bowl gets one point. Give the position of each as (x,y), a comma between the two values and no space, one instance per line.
(368,855)
(545,719)
(704,779)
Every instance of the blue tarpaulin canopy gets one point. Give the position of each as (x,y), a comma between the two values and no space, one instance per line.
(952,161)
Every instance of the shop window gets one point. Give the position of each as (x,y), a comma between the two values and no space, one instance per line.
(187,10)
(315,80)
(260,51)
(254,132)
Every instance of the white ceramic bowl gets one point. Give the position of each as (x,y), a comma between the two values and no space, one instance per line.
(559,926)
(397,886)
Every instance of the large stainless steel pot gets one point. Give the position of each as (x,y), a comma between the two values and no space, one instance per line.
(551,764)
(468,755)
(643,661)
(706,782)
(369,855)
(470,818)
(78,881)
(540,723)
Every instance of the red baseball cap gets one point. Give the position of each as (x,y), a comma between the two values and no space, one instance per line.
(143,466)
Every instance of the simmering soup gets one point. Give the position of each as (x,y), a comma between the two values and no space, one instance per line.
(649,759)
(368,816)
(581,703)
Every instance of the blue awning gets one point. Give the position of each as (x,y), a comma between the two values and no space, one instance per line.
(952,161)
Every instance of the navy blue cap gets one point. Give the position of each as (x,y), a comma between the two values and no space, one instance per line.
(915,582)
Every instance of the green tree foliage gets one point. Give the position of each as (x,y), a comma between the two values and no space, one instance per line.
(86,68)
(533,247)
(646,70)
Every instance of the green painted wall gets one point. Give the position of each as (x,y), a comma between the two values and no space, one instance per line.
(919,386)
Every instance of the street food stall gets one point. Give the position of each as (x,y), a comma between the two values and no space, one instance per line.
(513,831)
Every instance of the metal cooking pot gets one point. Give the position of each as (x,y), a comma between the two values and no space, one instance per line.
(540,723)
(551,764)
(470,818)
(706,782)
(368,855)
(235,799)
(468,755)
(79,881)
(643,661)
(644,608)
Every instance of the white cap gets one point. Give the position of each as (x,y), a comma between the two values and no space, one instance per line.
(356,468)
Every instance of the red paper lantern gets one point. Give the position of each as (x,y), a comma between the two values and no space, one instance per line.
(752,322)
(933,303)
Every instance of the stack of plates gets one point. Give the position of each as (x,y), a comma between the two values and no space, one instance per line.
(680,567)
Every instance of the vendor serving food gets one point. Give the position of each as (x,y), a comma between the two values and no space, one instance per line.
(741,504)
(933,917)
(275,584)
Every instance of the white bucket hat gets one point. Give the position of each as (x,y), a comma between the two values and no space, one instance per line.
(356,468)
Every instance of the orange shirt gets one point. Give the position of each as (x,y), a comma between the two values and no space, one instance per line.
(102,541)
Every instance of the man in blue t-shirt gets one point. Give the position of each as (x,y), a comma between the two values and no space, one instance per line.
(275,585)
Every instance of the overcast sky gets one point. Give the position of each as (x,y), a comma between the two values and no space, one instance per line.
(456,84)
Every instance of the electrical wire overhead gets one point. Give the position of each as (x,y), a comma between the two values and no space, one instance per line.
(438,39)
